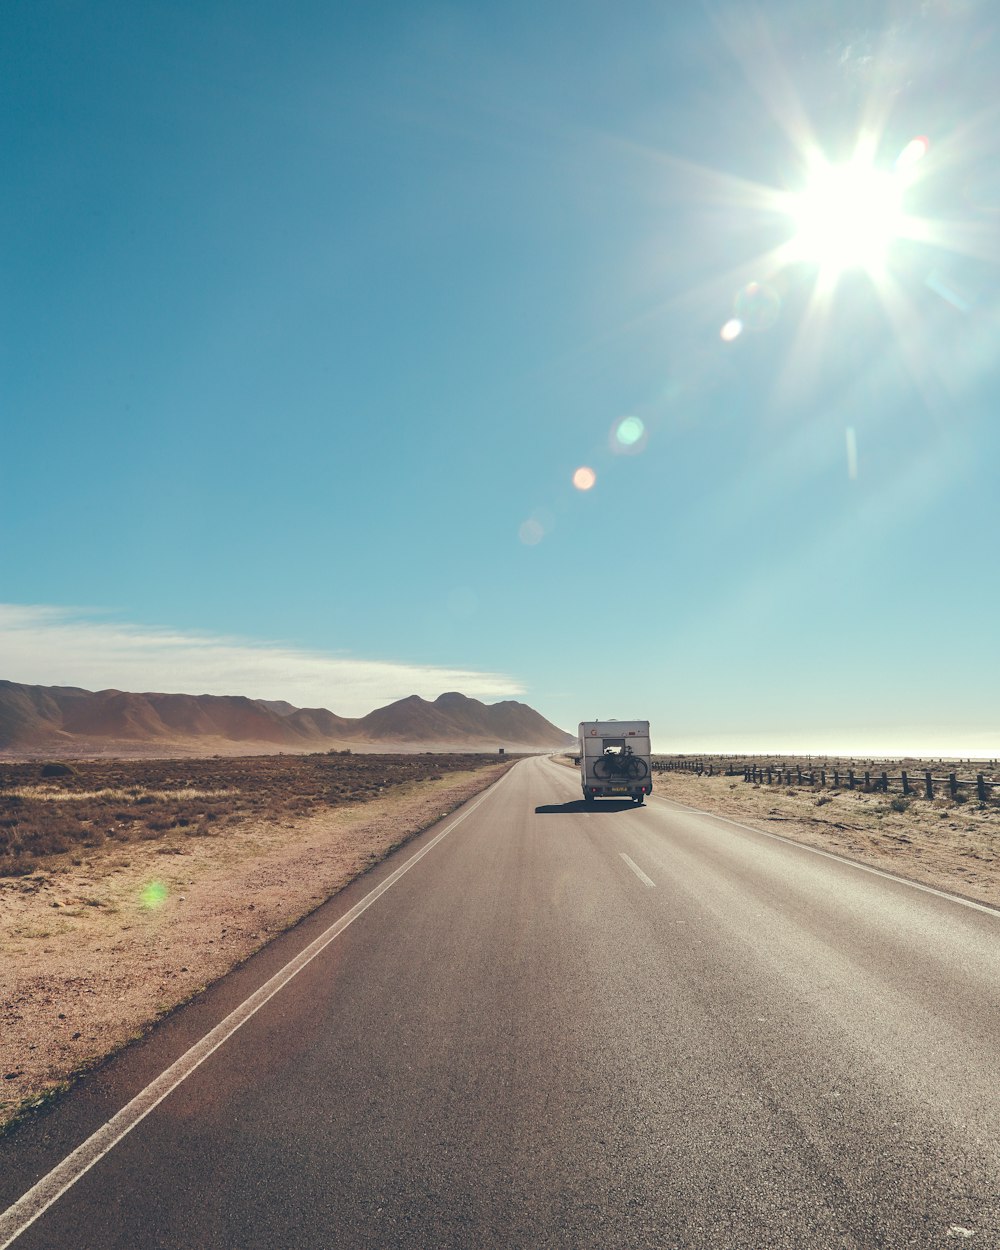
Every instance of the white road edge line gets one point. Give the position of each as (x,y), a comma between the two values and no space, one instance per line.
(841,859)
(635,868)
(36,1201)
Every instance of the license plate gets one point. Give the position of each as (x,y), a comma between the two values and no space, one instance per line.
(619,790)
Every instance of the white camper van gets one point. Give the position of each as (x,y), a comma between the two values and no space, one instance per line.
(614,759)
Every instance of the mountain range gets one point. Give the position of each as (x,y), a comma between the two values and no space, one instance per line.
(36,719)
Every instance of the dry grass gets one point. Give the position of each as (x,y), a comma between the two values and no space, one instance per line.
(126,801)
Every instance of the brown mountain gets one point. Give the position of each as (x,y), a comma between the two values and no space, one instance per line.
(454,717)
(34,719)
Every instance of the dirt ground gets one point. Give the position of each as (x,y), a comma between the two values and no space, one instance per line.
(951,846)
(99,943)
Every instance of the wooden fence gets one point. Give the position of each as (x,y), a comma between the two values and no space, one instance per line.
(695,766)
(919,784)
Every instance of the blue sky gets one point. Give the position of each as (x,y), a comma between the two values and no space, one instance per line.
(309,313)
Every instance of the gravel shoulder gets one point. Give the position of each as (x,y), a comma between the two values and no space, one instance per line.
(94,952)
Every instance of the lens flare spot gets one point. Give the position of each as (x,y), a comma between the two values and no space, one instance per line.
(584,478)
(732,330)
(914,151)
(154,895)
(531,532)
(939,286)
(757,307)
(629,432)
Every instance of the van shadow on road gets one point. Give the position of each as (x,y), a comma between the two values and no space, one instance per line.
(599,808)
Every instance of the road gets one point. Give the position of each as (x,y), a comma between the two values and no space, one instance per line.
(624,1027)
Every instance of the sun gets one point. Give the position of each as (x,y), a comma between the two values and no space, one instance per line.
(847,216)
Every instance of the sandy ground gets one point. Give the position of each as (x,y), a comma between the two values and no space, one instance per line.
(93,953)
(951,846)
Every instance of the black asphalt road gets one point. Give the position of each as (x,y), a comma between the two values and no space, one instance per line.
(624,1027)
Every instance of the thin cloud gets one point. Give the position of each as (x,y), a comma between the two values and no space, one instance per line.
(54,646)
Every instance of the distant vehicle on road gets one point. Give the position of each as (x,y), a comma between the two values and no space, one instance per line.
(614,759)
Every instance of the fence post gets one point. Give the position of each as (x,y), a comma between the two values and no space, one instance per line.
(798,772)
(850,779)
(981,787)
(906,782)
(929,783)
(836,779)
(769,774)
(822,776)
(885,783)
(953,784)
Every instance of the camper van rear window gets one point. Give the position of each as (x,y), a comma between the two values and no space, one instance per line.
(615,745)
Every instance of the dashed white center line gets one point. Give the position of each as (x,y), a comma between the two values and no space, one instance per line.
(637,870)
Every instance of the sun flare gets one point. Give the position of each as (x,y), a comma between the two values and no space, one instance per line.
(848,216)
